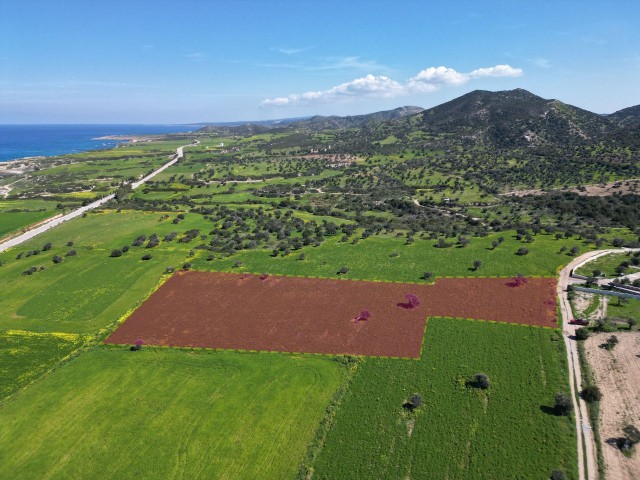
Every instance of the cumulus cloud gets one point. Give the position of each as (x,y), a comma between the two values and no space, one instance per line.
(497,71)
(428,80)
(368,86)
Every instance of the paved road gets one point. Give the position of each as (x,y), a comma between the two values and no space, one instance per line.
(583,426)
(76,213)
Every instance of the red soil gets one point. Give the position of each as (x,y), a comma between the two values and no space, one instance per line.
(294,314)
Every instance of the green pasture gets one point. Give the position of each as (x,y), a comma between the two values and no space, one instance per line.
(25,356)
(91,290)
(606,264)
(167,413)
(375,259)
(459,432)
(620,309)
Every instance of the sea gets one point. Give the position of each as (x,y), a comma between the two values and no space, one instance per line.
(19,141)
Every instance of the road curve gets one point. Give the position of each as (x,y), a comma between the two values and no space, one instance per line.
(29,234)
(583,426)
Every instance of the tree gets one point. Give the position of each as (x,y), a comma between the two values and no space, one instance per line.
(57,259)
(563,404)
(557,474)
(591,393)
(574,251)
(146,257)
(477,264)
(343,270)
(427,275)
(480,380)
(414,402)
(47,246)
(582,333)
(522,251)
(611,343)
(116,253)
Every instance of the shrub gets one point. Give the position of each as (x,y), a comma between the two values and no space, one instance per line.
(522,251)
(71,253)
(582,333)
(415,401)
(343,270)
(116,253)
(481,380)
(47,246)
(146,257)
(427,275)
(57,259)
(591,393)
(563,404)
(557,475)
(611,343)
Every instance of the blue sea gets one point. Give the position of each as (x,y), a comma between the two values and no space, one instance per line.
(18,141)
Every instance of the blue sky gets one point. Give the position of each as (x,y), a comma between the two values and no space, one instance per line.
(194,60)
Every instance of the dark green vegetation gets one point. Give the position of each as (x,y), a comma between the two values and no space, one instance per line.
(390,196)
(160,413)
(505,431)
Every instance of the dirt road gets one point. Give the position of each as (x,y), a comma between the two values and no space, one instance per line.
(617,373)
(587,460)
(54,222)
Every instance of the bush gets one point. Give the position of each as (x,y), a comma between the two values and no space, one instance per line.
(71,253)
(415,401)
(480,380)
(146,257)
(116,253)
(557,475)
(611,343)
(563,404)
(47,246)
(343,270)
(582,333)
(427,275)
(522,251)
(57,259)
(591,393)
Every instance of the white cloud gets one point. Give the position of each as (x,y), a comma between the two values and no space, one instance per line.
(368,86)
(428,80)
(497,71)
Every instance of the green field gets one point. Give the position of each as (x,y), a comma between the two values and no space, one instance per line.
(631,309)
(459,432)
(606,264)
(167,413)
(24,356)
(373,259)
(89,291)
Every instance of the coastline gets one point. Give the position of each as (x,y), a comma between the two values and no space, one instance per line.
(26,143)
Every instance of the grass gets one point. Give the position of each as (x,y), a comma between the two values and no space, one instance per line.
(371,259)
(629,310)
(89,291)
(24,356)
(162,413)
(459,432)
(606,264)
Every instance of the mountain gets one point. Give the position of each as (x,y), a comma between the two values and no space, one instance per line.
(310,124)
(627,116)
(324,123)
(516,118)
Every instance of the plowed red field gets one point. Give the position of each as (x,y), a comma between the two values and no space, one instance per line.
(294,314)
